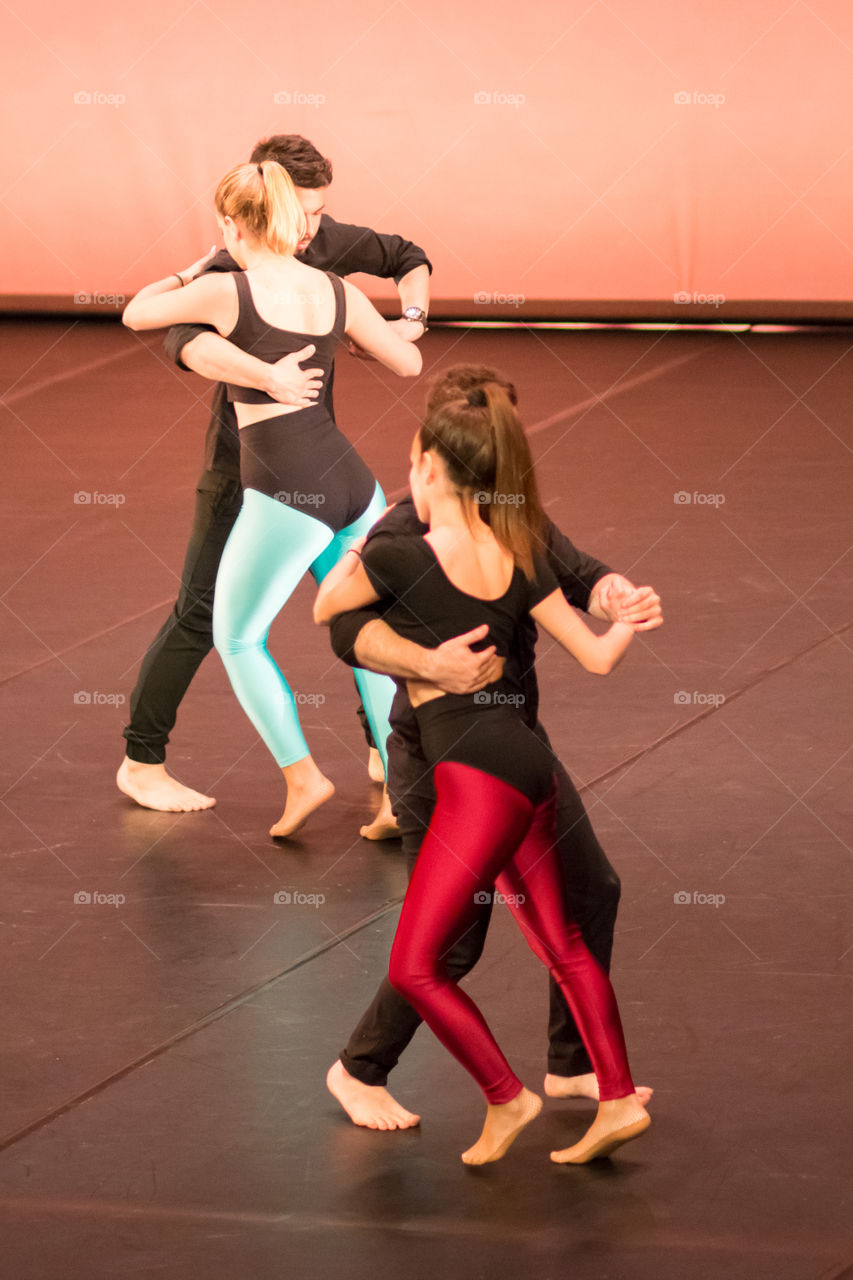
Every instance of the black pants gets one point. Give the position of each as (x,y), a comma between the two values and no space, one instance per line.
(592,897)
(186,636)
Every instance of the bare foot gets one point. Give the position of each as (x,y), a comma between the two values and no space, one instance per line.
(375,767)
(152,787)
(384,825)
(585,1086)
(307,789)
(371,1106)
(503,1125)
(616,1122)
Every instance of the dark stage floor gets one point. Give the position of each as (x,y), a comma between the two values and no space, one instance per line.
(164,1111)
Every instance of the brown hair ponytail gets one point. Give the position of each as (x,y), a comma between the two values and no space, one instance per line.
(263,199)
(482,443)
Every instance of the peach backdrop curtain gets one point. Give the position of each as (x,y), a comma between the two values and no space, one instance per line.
(602,149)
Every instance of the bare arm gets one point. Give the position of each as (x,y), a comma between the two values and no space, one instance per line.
(414,292)
(453,667)
(599,654)
(210,299)
(346,586)
(376,336)
(214,357)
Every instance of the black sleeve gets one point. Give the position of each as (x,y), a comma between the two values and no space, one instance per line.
(346,249)
(576,572)
(544,582)
(180,334)
(392,564)
(345,627)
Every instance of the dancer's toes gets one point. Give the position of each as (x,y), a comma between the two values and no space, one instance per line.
(371,1106)
(585,1086)
(504,1123)
(616,1123)
(153,788)
(301,802)
(375,767)
(384,825)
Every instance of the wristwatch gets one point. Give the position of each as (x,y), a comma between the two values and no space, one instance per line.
(416,313)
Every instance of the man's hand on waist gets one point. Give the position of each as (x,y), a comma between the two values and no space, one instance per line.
(290,385)
(456,668)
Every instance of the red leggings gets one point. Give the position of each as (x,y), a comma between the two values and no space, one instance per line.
(485,832)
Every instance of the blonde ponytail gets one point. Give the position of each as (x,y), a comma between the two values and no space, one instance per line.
(262,197)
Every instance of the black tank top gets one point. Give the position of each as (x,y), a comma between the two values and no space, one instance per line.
(251,333)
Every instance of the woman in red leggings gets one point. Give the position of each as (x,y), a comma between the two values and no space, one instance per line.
(473,483)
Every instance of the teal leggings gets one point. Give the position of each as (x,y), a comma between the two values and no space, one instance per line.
(270,548)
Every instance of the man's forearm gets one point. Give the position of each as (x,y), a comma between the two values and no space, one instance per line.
(216,358)
(414,288)
(379,648)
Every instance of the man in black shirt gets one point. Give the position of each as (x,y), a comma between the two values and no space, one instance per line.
(187,635)
(362,638)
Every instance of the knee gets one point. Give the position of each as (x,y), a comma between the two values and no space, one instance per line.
(406,974)
(229,638)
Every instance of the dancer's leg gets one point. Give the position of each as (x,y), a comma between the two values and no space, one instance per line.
(268,552)
(533,887)
(477,823)
(175,653)
(592,892)
(377,691)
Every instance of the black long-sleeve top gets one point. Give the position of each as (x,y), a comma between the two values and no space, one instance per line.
(338,247)
(576,574)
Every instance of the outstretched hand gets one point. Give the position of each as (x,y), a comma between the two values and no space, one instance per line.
(457,668)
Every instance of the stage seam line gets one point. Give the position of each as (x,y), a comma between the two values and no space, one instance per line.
(15,396)
(88,639)
(709,711)
(206,1020)
(590,401)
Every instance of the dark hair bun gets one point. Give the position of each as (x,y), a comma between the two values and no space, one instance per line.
(477,398)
